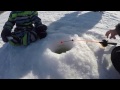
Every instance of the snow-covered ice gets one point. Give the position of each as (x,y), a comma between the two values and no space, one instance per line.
(82,60)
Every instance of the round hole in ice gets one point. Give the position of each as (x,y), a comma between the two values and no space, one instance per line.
(62,48)
(60,43)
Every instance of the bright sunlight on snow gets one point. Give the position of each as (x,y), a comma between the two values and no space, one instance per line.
(68,52)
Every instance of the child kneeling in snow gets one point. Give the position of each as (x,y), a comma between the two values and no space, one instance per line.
(29,28)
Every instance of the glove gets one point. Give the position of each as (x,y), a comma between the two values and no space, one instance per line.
(41,28)
(42,35)
(5,33)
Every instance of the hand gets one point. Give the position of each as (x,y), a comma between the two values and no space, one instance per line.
(5,33)
(112,32)
(42,28)
(42,35)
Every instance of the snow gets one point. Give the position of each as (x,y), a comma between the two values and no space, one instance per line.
(82,60)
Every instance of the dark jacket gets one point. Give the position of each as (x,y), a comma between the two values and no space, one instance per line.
(22,19)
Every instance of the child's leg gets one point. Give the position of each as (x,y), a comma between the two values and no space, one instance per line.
(15,39)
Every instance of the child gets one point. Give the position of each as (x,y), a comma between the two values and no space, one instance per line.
(28,29)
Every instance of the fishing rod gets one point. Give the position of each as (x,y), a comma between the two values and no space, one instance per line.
(115,54)
(104,42)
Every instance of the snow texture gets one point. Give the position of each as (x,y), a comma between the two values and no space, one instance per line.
(80,59)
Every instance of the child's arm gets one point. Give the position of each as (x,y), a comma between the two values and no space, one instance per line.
(35,19)
(37,22)
(7,28)
(10,23)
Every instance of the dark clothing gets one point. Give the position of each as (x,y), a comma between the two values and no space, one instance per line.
(118,29)
(24,21)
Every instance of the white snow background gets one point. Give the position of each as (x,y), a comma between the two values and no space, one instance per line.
(82,59)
